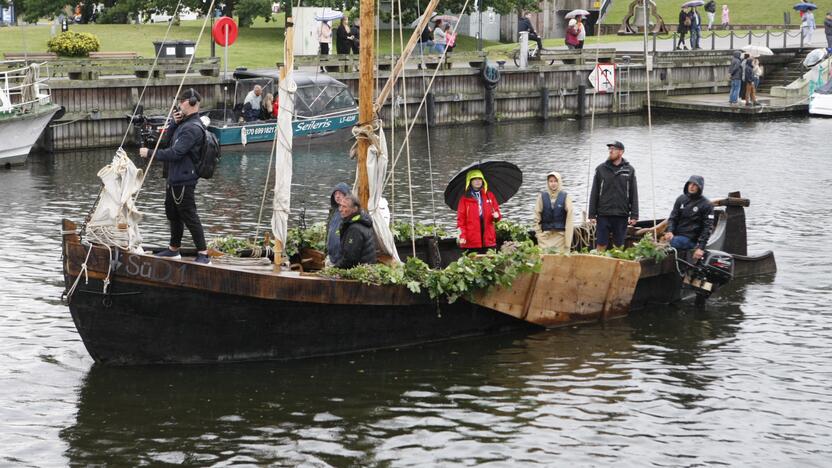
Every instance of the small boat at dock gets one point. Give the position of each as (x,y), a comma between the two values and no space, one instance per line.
(26,108)
(323,107)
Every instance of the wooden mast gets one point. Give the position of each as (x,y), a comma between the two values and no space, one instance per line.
(366,115)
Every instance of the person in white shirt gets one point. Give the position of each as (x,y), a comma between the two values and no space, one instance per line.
(439,39)
(252,103)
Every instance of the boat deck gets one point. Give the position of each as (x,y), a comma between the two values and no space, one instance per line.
(718,104)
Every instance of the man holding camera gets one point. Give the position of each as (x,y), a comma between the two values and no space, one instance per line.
(180,204)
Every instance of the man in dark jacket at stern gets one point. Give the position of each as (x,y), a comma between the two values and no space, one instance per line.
(613,201)
(358,241)
(692,219)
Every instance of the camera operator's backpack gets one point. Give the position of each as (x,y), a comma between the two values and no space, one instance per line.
(209,155)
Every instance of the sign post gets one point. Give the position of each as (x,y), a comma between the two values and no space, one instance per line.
(602,78)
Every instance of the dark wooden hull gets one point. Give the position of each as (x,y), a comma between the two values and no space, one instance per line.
(141,323)
(167,311)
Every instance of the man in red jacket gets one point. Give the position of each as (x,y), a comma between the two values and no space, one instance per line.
(476,214)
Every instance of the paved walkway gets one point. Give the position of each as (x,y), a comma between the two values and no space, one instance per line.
(719,43)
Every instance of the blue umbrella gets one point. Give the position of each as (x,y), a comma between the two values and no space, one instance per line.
(803,6)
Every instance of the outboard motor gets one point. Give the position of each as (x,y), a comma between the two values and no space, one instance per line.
(712,271)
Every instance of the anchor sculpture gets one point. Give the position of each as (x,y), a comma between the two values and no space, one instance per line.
(627,27)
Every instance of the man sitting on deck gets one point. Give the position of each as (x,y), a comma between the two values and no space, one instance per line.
(692,219)
(358,241)
(252,103)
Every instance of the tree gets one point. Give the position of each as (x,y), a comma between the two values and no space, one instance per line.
(35,9)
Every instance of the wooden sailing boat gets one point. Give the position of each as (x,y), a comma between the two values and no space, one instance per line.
(134,308)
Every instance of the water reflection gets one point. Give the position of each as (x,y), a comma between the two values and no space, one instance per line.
(512,398)
(745,379)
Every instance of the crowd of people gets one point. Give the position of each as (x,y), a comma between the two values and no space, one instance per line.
(690,24)
(746,72)
(613,207)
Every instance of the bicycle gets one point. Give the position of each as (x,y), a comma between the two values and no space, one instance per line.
(533,55)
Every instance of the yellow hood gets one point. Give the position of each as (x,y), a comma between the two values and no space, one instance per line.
(560,183)
(474,174)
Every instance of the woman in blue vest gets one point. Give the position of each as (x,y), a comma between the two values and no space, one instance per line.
(553,223)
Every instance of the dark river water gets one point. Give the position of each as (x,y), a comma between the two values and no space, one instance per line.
(745,382)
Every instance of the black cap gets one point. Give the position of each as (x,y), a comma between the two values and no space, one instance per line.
(616,144)
(189,93)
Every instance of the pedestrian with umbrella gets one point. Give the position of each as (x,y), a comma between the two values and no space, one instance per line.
(476,193)
(807,22)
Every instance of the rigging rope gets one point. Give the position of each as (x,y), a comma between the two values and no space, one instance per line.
(430,85)
(648,65)
(150,74)
(173,104)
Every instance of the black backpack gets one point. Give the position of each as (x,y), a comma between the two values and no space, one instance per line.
(209,156)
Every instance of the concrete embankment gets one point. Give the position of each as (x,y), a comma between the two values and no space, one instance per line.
(97,109)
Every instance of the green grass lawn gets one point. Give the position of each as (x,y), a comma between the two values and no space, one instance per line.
(262,44)
(256,47)
(742,11)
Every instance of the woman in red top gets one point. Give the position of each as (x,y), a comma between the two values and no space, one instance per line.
(476,214)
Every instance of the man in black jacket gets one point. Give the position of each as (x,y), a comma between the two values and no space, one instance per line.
(692,219)
(180,204)
(710,9)
(525,24)
(613,201)
(358,241)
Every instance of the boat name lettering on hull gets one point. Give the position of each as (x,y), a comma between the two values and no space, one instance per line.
(154,270)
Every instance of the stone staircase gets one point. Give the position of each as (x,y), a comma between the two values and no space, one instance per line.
(780,71)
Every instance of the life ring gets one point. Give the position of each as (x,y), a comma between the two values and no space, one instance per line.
(220,28)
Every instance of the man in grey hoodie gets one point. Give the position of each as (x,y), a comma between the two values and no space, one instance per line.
(690,223)
(827,28)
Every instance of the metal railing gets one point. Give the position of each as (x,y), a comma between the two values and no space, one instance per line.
(735,38)
(22,86)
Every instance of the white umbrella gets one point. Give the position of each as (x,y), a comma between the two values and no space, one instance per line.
(756,51)
(814,57)
(575,13)
(328,15)
(416,23)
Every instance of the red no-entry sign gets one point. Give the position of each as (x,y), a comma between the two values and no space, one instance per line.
(224,27)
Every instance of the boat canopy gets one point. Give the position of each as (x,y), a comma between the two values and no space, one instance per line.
(317,93)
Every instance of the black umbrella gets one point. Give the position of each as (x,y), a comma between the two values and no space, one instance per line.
(504,180)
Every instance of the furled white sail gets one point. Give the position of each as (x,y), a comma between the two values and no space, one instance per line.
(377,159)
(115,221)
(283,159)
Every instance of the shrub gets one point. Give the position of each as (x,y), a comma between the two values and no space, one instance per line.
(73,44)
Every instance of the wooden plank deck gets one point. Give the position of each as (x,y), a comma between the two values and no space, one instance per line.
(718,104)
